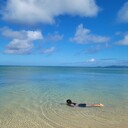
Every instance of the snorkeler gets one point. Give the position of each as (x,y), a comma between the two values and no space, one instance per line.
(72,104)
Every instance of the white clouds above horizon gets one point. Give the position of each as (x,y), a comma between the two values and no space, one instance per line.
(54,37)
(45,11)
(22,34)
(124,41)
(84,36)
(18,46)
(92,60)
(123,13)
(48,50)
(21,41)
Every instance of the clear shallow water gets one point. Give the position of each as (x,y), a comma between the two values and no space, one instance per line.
(35,97)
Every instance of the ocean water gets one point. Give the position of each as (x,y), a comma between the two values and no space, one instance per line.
(34,97)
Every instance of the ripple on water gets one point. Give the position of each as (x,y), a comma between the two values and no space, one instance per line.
(37,107)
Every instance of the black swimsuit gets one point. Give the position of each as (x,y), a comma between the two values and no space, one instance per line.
(82,105)
(79,105)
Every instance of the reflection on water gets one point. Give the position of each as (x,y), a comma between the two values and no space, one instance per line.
(35,97)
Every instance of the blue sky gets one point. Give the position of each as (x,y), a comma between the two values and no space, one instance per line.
(64,32)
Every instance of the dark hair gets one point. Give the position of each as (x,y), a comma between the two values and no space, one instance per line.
(69,101)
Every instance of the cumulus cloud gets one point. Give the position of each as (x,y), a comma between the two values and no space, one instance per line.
(18,46)
(123,41)
(84,36)
(22,34)
(123,13)
(49,50)
(35,11)
(22,41)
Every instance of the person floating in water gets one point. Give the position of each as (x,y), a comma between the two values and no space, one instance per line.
(72,104)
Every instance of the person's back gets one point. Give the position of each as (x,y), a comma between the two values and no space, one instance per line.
(72,104)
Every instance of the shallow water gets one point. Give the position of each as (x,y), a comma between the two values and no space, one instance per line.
(34,97)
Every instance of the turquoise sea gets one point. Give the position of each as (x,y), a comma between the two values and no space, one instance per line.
(34,97)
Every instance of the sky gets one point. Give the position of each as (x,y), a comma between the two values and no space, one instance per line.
(64,32)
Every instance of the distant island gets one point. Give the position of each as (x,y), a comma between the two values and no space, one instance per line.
(113,66)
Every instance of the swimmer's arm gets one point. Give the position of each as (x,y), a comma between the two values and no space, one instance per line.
(73,105)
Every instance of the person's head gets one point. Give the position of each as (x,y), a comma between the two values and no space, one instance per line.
(69,101)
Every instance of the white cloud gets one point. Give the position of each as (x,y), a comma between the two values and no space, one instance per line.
(123,13)
(34,35)
(18,46)
(94,49)
(91,60)
(54,37)
(22,34)
(35,11)
(123,41)
(48,51)
(84,36)
(22,41)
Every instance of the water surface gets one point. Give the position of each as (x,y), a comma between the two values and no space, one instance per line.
(34,97)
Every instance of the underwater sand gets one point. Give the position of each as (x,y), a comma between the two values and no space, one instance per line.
(34,97)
